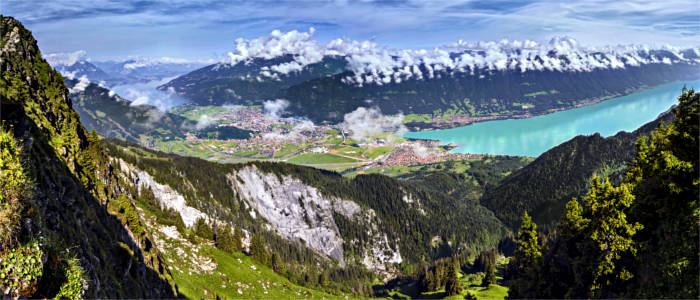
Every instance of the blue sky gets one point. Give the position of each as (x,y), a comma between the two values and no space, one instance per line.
(207,29)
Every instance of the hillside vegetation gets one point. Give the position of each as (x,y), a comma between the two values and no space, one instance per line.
(60,237)
(543,187)
(113,116)
(635,239)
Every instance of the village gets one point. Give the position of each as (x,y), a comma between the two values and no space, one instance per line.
(327,146)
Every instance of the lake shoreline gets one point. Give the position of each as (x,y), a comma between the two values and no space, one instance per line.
(424,126)
(531,136)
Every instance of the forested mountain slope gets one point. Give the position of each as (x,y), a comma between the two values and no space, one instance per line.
(222,83)
(113,116)
(67,220)
(543,187)
(505,78)
(634,239)
(405,217)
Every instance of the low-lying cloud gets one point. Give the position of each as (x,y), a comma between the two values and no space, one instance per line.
(371,63)
(146,93)
(65,58)
(82,84)
(273,109)
(368,122)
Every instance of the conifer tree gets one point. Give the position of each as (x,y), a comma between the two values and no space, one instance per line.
(226,241)
(525,262)
(258,250)
(665,179)
(452,286)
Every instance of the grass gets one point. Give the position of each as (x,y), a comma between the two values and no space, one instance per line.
(378,151)
(319,158)
(203,272)
(238,272)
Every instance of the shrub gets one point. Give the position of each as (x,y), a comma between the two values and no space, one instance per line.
(20,270)
(75,284)
(14,188)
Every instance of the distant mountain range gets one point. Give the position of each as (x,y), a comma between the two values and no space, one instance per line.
(117,72)
(506,78)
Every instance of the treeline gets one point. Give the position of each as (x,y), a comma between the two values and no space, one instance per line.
(461,223)
(635,239)
(545,186)
(206,186)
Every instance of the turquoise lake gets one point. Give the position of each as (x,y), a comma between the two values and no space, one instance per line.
(533,136)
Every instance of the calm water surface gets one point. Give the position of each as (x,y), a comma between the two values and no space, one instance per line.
(533,136)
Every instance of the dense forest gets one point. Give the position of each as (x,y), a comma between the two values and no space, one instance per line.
(462,223)
(634,239)
(545,186)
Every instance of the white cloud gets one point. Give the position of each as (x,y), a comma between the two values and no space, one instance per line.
(373,64)
(64,59)
(273,109)
(420,150)
(146,93)
(83,83)
(367,122)
(136,62)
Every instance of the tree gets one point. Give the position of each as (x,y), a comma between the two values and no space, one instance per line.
(665,180)
(525,261)
(203,230)
(277,263)
(227,241)
(490,276)
(258,251)
(322,279)
(452,286)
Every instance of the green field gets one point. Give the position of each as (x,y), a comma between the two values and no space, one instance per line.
(378,151)
(319,158)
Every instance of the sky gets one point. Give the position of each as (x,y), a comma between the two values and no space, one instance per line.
(207,29)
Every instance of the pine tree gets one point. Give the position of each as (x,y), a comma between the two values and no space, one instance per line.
(226,241)
(258,250)
(665,179)
(525,261)
(237,238)
(277,263)
(452,286)
(490,276)
(203,230)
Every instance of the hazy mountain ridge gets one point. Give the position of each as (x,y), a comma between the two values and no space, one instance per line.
(113,116)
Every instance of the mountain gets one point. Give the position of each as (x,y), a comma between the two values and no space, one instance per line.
(243,83)
(113,116)
(118,72)
(370,220)
(84,68)
(543,187)
(68,226)
(143,69)
(483,79)
(111,219)
(486,93)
